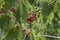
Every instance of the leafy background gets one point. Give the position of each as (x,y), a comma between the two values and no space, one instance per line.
(47,20)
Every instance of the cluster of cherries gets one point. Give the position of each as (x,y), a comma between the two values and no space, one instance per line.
(31,18)
(11,9)
(2,9)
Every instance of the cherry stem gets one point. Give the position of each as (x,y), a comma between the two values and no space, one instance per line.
(34,11)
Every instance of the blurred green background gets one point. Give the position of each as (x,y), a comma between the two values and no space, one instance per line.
(13,21)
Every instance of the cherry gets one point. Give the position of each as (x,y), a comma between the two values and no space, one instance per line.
(3,6)
(12,9)
(28,32)
(31,19)
(28,35)
(2,10)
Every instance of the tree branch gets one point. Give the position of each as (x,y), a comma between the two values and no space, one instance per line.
(48,36)
(34,11)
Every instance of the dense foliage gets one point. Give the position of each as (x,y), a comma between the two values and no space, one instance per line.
(25,19)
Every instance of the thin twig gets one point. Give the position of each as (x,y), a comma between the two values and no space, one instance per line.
(48,36)
(20,25)
(34,11)
(52,3)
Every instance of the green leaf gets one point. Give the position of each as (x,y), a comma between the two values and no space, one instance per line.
(13,34)
(9,4)
(33,35)
(46,9)
(31,2)
(4,21)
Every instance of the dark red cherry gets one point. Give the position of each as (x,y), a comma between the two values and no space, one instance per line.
(28,35)
(3,6)
(12,9)
(2,10)
(31,19)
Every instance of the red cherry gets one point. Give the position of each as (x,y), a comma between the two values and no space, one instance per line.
(12,10)
(28,31)
(3,6)
(2,10)
(31,19)
(28,35)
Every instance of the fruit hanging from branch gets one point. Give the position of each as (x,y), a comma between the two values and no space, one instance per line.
(12,9)
(31,18)
(27,32)
(2,10)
